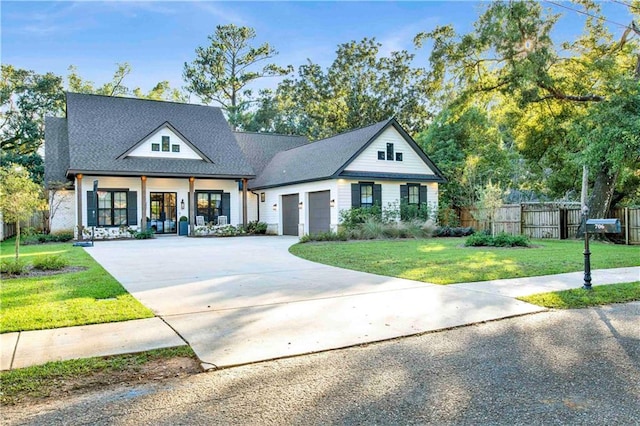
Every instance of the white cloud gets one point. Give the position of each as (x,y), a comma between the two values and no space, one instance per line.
(216,9)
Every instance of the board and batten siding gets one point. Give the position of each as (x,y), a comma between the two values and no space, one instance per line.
(144,150)
(368,161)
(390,192)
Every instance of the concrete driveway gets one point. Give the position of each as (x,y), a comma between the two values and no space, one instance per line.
(242,300)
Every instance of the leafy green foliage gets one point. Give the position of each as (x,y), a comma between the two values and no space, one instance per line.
(325,236)
(452,231)
(143,235)
(481,239)
(26,98)
(13,266)
(359,88)
(255,227)
(57,237)
(50,262)
(563,105)
(222,71)
(355,216)
(19,197)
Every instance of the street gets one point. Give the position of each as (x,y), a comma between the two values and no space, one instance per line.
(558,367)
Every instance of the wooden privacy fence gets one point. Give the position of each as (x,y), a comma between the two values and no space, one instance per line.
(37,221)
(550,220)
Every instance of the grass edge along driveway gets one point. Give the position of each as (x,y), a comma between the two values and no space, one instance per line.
(447,261)
(88,296)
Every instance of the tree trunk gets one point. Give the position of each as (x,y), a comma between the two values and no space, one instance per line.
(602,195)
(17,239)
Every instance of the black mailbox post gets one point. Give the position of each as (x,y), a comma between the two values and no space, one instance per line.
(596,226)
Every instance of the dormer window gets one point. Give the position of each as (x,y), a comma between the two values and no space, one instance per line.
(165,143)
(390,151)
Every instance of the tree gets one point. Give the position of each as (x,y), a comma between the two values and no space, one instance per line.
(511,52)
(115,87)
(359,88)
(470,149)
(26,98)
(222,71)
(19,197)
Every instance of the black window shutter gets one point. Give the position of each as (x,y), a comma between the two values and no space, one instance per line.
(377,194)
(226,206)
(91,209)
(404,193)
(132,208)
(355,195)
(423,194)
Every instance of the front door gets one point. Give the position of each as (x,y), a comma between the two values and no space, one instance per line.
(164,212)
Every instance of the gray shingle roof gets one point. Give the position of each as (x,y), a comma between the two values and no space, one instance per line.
(327,158)
(101,128)
(260,148)
(56,150)
(317,160)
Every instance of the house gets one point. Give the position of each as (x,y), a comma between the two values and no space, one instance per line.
(151,162)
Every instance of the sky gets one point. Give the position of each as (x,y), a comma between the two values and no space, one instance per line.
(157,38)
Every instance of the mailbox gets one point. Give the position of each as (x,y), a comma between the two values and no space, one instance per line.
(603,226)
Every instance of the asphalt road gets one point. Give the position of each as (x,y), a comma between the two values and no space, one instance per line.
(558,367)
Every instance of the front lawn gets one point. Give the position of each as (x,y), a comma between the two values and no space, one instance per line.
(447,261)
(580,298)
(88,296)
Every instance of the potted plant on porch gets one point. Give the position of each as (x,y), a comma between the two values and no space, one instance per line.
(183,226)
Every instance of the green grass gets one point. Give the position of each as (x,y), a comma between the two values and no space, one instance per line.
(447,261)
(90,296)
(579,298)
(41,380)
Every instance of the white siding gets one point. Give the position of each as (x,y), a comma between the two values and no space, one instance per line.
(179,186)
(273,217)
(144,150)
(368,161)
(62,214)
(390,193)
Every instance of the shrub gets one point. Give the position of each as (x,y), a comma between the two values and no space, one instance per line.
(325,236)
(372,228)
(58,237)
(50,263)
(226,231)
(355,216)
(448,231)
(501,240)
(409,212)
(143,235)
(12,267)
(255,227)
(184,219)
(479,240)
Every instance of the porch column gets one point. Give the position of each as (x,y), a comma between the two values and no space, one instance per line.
(79,205)
(244,202)
(143,221)
(192,205)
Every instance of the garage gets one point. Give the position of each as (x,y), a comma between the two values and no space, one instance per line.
(319,212)
(290,214)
